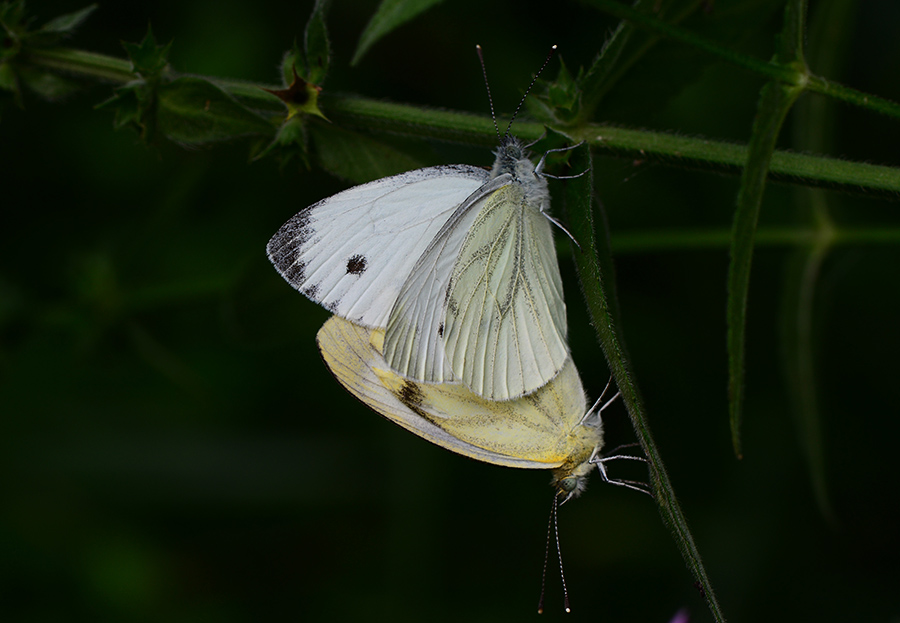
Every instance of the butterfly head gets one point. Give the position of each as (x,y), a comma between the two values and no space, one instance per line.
(512,158)
(572,482)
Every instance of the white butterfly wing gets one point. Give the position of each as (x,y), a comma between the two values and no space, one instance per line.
(353,251)
(414,345)
(505,322)
(538,431)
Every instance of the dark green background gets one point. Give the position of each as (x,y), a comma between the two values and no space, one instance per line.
(172,447)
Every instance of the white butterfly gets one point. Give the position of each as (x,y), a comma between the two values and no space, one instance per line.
(548,429)
(458,265)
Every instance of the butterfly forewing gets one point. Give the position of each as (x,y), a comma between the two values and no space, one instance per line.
(352,252)
(505,322)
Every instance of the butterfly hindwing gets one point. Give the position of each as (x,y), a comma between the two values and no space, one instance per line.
(540,431)
(353,251)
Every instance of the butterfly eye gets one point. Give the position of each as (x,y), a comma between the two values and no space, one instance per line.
(568,484)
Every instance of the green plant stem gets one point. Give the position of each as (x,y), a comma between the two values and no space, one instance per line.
(673,150)
(768,70)
(373,115)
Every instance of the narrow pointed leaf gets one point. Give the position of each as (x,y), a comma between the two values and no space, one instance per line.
(316,44)
(391,14)
(775,101)
(65,24)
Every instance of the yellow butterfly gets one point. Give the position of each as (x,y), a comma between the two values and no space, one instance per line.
(547,429)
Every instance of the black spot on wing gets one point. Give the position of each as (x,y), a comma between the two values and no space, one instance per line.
(441,330)
(356,265)
(411,396)
(312,291)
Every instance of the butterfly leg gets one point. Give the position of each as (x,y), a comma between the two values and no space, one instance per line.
(634,485)
(560,225)
(594,409)
(539,168)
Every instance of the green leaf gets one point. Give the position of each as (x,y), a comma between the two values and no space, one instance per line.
(357,157)
(775,101)
(593,262)
(194,110)
(147,58)
(391,14)
(66,24)
(316,44)
(292,63)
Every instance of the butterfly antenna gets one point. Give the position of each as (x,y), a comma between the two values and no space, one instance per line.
(488,87)
(527,91)
(562,575)
(546,557)
(553,525)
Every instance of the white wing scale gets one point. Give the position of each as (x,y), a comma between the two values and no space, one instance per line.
(353,251)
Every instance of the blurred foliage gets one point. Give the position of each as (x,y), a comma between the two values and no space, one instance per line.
(172,447)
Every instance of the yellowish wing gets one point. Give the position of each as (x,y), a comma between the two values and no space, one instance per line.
(539,431)
(505,324)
